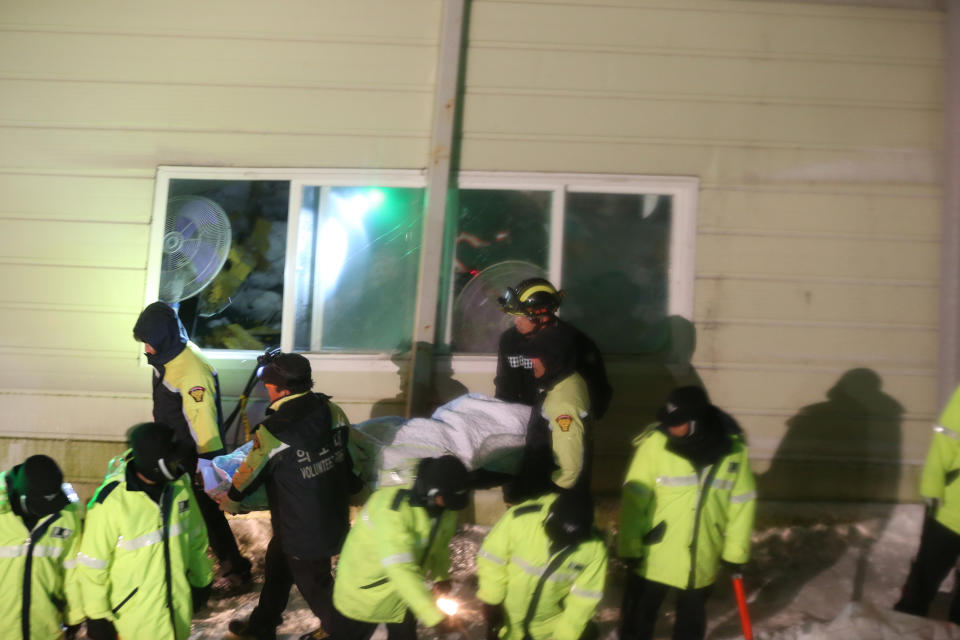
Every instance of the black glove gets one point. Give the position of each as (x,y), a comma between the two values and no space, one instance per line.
(72,631)
(101,629)
(200,595)
(656,534)
(732,567)
(493,614)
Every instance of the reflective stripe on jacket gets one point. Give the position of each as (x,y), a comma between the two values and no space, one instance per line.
(942,467)
(138,559)
(512,561)
(691,520)
(389,553)
(38,568)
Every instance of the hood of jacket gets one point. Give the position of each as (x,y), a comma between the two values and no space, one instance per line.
(160,327)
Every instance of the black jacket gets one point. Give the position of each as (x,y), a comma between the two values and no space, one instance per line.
(308,481)
(514,381)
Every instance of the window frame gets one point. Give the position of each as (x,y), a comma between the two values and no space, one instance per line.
(683,191)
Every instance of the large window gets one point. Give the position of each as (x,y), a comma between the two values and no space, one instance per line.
(328,261)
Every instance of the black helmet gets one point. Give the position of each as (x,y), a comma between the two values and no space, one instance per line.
(570,519)
(532,297)
(38,483)
(156,453)
(446,477)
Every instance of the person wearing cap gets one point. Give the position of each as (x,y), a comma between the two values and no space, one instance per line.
(400,541)
(940,535)
(143,565)
(687,508)
(533,304)
(38,574)
(186,396)
(541,569)
(300,452)
(558,448)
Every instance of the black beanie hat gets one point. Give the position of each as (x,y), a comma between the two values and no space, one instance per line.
(288,371)
(39,480)
(446,476)
(684,404)
(155,451)
(570,518)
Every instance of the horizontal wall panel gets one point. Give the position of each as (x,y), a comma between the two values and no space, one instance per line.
(771,28)
(77,244)
(199,108)
(90,149)
(63,197)
(639,119)
(755,389)
(660,76)
(101,417)
(857,301)
(63,287)
(808,344)
(53,329)
(738,164)
(901,211)
(228,61)
(299,18)
(818,257)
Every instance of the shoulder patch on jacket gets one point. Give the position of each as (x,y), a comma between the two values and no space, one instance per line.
(107,490)
(399,498)
(564,422)
(524,510)
(197,393)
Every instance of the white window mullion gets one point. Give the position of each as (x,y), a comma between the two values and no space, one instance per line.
(319,293)
(558,204)
(288,318)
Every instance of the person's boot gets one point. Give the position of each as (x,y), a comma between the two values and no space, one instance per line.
(243,630)
(235,578)
(316,634)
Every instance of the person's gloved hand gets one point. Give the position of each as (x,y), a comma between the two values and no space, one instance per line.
(732,567)
(442,588)
(493,614)
(932,504)
(200,595)
(101,629)
(72,631)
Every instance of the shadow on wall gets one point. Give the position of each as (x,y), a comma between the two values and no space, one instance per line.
(444,388)
(846,448)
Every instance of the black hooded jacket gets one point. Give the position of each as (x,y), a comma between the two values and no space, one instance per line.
(186,391)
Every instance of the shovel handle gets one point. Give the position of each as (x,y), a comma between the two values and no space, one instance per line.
(742,607)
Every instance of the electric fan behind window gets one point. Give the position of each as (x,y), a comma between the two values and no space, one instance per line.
(478,320)
(196,241)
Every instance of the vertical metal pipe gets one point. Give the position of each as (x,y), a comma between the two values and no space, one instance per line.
(438,181)
(949,369)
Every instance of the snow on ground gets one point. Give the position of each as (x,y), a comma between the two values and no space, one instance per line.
(818,571)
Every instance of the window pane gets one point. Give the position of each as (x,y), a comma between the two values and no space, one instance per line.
(615,268)
(502,238)
(357,264)
(240,299)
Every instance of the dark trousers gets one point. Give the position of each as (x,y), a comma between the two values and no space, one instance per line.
(641,602)
(221,538)
(350,629)
(938,553)
(281,571)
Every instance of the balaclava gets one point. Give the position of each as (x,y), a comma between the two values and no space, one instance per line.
(159,326)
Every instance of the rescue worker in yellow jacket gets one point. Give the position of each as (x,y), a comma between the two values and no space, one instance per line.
(186,396)
(558,449)
(398,542)
(940,537)
(143,562)
(542,568)
(38,570)
(687,507)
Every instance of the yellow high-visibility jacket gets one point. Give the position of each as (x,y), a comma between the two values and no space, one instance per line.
(512,562)
(389,553)
(701,517)
(139,559)
(49,577)
(942,467)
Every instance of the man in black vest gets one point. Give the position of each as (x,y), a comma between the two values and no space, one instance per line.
(300,452)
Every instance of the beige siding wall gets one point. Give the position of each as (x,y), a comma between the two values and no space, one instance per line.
(814,131)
